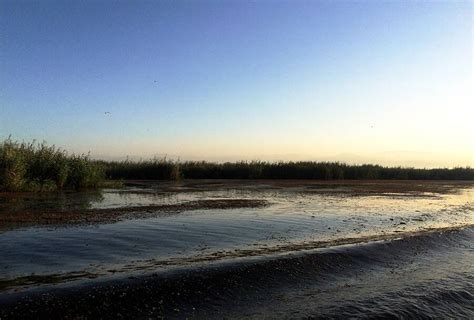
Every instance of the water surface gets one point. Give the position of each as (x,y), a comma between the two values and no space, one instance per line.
(301,217)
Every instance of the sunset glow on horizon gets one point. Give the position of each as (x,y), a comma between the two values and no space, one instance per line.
(361,82)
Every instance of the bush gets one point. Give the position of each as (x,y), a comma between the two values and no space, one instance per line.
(39,167)
(12,166)
(83,173)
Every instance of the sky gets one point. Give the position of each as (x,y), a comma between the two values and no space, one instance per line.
(354,81)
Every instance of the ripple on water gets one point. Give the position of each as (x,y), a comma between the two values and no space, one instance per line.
(296,217)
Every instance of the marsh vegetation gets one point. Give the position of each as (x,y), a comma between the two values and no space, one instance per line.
(166,169)
(40,167)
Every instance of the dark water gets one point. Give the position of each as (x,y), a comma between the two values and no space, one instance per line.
(309,254)
(428,275)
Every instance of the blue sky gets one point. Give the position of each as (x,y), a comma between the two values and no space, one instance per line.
(387,82)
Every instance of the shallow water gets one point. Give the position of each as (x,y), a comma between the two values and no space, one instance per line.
(302,216)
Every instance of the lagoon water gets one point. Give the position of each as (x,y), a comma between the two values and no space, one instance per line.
(391,248)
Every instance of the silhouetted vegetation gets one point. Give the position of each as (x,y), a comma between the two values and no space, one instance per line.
(163,169)
(39,167)
(156,169)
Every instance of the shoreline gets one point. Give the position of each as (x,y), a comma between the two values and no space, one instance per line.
(58,218)
(63,217)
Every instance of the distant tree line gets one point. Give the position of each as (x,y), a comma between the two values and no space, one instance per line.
(165,169)
(39,167)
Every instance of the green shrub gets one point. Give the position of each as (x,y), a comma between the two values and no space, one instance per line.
(83,173)
(39,167)
(12,166)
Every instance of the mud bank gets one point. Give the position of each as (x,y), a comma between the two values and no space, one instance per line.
(406,188)
(96,216)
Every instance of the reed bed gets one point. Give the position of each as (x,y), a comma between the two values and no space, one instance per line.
(39,167)
(173,170)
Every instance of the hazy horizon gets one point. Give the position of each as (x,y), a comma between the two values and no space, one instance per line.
(366,82)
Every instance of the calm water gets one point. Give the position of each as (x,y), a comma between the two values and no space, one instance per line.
(300,217)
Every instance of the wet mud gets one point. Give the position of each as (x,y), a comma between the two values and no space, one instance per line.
(95,216)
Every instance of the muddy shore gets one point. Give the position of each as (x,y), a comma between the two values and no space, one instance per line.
(350,187)
(53,217)
(109,215)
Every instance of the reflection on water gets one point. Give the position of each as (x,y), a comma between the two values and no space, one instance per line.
(299,215)
(54,201)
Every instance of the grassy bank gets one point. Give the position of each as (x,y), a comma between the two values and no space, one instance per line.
(162,169)
(39,167)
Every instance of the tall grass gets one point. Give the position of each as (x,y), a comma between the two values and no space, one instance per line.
(156,169)
(172,170)
(39,167)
